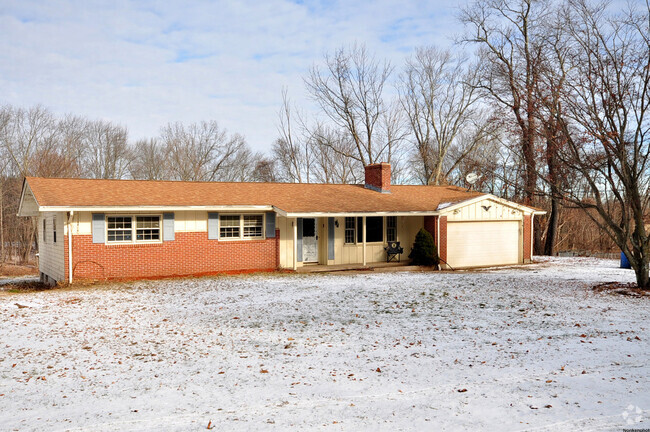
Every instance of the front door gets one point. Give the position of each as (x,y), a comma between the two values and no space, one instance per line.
(309,240)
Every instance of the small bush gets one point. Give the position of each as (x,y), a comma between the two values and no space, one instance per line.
(424,250)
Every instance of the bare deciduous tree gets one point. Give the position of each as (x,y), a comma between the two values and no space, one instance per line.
(330,165)
(438,93)
(607,123)
(264,170)
(350,91)
(150,160)
(292,149)
(200,151)
(72,137)
(505,32)
(26,131)
(107,151)
(240,167)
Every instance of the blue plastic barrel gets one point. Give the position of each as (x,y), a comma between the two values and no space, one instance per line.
(625,263)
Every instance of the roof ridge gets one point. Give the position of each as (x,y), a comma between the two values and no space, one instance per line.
(186,181)
(459,188)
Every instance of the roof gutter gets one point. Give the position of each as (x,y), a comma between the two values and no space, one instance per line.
(342,214)
(153,208)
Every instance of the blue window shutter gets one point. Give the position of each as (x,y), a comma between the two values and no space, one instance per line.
(299,245)
(98,228)
(168,227)
(213,226)
(270,225)
(330,238)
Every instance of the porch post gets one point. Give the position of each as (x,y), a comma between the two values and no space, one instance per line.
(364,241)
(295,244)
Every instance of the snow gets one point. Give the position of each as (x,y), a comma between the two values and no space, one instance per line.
(376,351)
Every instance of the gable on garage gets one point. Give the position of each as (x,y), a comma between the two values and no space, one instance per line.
(485,231)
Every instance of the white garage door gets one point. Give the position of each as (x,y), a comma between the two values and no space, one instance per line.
(474,244)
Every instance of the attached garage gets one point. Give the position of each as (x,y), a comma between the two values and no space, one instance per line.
(485,231)
(475,244)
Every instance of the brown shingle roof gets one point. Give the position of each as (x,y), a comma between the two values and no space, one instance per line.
(290,197)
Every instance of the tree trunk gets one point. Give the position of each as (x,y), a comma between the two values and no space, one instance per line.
(551,232)
(27,249)
(642,276)
(2,226)
(538,231)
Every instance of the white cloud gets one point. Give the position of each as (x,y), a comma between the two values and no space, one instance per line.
(143,64)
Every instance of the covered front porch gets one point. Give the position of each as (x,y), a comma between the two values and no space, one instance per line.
(309,242)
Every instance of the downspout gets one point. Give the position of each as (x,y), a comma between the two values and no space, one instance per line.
(70,215)
(365,260)
(532,237)
(294,224)
(438,235)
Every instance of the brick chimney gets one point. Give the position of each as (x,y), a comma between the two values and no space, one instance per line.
(378,177)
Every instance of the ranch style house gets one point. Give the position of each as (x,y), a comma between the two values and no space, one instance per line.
(133,229)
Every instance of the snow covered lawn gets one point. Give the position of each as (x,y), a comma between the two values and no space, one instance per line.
(520,348)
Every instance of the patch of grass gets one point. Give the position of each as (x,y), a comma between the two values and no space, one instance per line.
(27,286)
(17,270)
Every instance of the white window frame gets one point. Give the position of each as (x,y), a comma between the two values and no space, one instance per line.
(359,228)
(242,237)
(354,230)
(134,229)
(54,229)
(387,228)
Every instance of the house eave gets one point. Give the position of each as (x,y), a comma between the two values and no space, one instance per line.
(357,214)
(524,209)
(113,209)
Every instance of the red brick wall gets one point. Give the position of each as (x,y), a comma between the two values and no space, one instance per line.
(528,247)
(378,175)
(430,224)
(443,238)
(190,253)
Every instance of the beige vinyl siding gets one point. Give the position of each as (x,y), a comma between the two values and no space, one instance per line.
(51,255)
(29,206)
(477,212)
(285,225)
(82,223)
(407,228)
(191,221)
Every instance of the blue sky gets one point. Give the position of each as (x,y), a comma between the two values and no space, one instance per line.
(143,64)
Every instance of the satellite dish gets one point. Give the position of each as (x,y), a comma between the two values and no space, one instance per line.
(471,178)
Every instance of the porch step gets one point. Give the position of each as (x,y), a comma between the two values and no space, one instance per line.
(372,267)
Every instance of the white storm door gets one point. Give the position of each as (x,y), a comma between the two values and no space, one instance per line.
(309,240)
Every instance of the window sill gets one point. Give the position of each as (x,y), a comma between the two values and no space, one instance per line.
(226,240)
(381,243)
(158,243)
